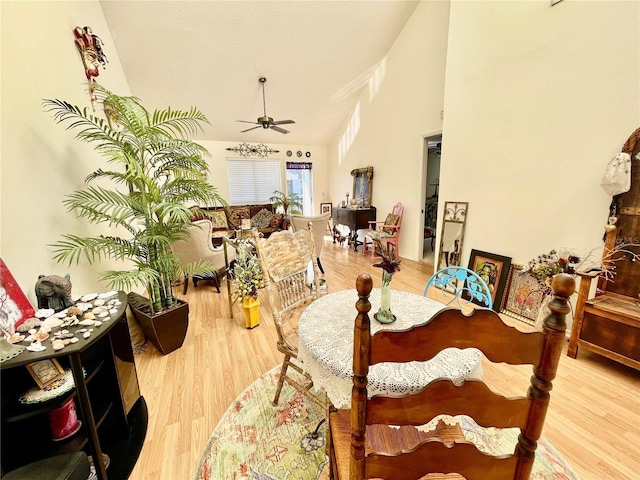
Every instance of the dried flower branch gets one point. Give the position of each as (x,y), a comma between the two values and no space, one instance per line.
(388,263)
(610,256)
(246,273)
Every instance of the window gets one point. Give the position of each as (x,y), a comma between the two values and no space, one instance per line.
(252,181)
(299,181)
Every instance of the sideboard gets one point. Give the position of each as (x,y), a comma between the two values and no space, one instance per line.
(110,407)
(355,219)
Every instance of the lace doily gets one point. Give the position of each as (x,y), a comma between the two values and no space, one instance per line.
(326,347)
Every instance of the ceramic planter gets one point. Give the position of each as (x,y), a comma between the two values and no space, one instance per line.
(251,307)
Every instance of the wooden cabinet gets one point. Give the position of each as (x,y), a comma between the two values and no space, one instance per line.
(106,394)
(354,218)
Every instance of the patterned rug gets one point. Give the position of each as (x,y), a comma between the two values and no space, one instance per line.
(257,441)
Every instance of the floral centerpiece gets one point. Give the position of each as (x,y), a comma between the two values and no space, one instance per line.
(246,273)
(545,266)
(389,266)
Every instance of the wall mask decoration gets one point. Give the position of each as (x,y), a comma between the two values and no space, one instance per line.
(90,49)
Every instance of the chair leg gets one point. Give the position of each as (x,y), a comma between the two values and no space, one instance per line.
(320,266)
(186,284)
(283,373)
(216,281)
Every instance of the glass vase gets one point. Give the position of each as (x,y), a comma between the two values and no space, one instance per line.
(384,315)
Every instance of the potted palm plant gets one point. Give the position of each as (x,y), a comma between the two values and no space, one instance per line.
(155,172)
(290,203)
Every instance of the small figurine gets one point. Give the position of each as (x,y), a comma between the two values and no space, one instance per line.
(54,291)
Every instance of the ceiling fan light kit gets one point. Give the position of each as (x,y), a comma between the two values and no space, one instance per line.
(265,121)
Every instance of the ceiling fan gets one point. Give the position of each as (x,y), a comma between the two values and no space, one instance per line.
(264,121)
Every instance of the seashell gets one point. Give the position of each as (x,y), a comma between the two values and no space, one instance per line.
(57,344)
(98,323)
(100,309)
(86,334)
(114,302)
(15,338)
(86,322)
(88,297)
(84,306)
(71,311)
(29,324)
(32,331)
(52,322)
(98,302)
(61,314)
(29,338)
(36,347)
(113,311)
(45,312)
(106,319)
(89,316)
(66,341)
(103,314)
(45,329)
(74,340)
(107,294)
(82,330)
(40,336)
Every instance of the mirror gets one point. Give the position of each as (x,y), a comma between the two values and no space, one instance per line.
(452,234)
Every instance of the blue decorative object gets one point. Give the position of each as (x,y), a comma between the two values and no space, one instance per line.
(461,282)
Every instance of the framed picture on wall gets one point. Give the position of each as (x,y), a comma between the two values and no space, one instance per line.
(362,183)
(325,208)
(494,270)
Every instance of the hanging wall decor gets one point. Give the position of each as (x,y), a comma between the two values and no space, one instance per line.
(246,150)
(90,49)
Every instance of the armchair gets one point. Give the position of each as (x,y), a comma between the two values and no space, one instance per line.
(387,232)
(319,227)
(198,256)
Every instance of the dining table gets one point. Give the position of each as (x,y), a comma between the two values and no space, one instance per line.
(325,347)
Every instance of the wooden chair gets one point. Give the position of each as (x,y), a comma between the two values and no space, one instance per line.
(198,257)
(388,232)
(285,258)
(319,222)
(460,282)
(362,445)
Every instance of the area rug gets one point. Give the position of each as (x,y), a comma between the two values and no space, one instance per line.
(257,441)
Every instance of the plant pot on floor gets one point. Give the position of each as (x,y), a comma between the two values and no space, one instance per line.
(166,330)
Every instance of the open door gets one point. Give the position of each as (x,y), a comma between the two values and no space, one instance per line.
(431,187)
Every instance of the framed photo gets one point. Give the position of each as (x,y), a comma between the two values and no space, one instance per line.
(524,297)
(325,208)
(14,305)
(494,270)
(45,372)
(362,183)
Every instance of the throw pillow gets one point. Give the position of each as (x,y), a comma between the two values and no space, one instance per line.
(262,219)
(391,219)
(236,215)
(276,219)
(219,220)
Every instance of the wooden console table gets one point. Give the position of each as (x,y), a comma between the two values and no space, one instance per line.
(112,411)
(354,218)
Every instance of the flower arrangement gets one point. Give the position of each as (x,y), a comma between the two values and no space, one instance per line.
(389,266)
(545,266)
(246,273)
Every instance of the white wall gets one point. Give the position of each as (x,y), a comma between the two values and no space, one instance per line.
(318,157)
(40,160)
(538,99)
(403,103)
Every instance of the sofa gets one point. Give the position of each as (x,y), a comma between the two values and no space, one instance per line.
(226,220)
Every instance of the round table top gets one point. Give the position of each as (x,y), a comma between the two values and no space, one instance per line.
(326,346)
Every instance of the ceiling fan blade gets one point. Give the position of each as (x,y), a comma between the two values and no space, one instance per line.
(247,121)
(278,129)
(282,122)
(252,128)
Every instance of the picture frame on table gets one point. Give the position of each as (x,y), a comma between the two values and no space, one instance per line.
(524,296)
(15,306)
(45,372)
(494,270)
(326,208)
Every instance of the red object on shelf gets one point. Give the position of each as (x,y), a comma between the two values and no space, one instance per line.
(64,421)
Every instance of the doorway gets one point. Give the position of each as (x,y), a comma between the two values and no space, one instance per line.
(431,158)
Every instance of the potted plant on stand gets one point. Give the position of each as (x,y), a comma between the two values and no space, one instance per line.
(248,279)
(289,203)
(155,171)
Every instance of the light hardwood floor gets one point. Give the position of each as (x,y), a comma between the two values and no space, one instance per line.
(594,417)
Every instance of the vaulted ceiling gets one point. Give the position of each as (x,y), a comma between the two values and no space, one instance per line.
(317,57)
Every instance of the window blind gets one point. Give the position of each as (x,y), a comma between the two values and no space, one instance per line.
(252,181)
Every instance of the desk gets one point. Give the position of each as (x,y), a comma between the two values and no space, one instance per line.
(326,347)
